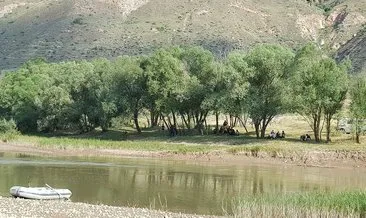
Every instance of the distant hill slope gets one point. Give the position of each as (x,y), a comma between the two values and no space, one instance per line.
(355,50)
(83,29)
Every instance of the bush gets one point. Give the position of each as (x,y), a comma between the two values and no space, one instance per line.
(78,21)
(8,130)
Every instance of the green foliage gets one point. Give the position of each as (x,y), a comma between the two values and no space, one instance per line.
(319,86)
(174,83)
(358,103)
(328,6)
(267,84)
(8,130)
(130,86)
(312,204)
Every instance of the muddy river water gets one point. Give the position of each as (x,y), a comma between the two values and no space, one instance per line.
(179,186)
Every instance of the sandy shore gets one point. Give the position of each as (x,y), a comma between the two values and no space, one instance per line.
(15,207)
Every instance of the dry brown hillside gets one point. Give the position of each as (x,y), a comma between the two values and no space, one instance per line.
(78,29)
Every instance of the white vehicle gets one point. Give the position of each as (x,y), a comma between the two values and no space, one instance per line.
(345,126)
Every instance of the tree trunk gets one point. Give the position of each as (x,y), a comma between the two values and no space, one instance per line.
(243,124)
(328,118)
(316,130)
(154,117)
(104,125)
(357,132)
(185,122)
(316,127)
(174,119)
(256,126)
(263,129)
(163,118)
(136,120)
(231,120)
(217,122)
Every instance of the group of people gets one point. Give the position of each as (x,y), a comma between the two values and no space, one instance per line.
(278,135)
(305,137)
(227,129)
(172,130)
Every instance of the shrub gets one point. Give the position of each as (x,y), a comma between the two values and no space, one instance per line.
(8,130)
(78,21)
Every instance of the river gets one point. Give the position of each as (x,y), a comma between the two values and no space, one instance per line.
(178,186)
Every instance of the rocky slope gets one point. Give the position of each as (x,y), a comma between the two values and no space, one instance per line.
(355,50)
(84,29)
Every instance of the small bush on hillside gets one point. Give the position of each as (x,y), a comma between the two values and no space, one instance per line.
(78,20)
(8,130)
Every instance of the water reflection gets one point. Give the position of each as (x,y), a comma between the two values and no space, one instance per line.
(174,185)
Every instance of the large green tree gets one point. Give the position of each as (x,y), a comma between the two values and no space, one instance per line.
(20,94)
(319,87)
(131,86)
(236,79)
(199,64)
(165,82)
(267,84)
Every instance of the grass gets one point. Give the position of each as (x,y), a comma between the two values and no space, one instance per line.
(312,204)
(188,142)
(137,145)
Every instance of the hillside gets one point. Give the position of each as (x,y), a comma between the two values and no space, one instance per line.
(355,49)
(78,29)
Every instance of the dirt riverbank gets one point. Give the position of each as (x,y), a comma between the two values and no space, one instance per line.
(316,158)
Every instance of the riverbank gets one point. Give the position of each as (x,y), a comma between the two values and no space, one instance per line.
(14,207)
(234,151)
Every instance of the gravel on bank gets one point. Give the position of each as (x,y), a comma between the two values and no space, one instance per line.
(15,207)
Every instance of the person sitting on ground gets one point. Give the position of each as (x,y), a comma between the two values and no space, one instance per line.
(283,134)
(272,134)
(303,137)
(173,130)
(308,138)
(225,127)
(278,135)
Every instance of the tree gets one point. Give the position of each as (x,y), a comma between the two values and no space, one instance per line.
(104,92)
(267,84)
(319,86)
(90,85)
(358,104)
(131,86)
(202,78)
(165,81)
(236,79)
(19,97)
(335,89)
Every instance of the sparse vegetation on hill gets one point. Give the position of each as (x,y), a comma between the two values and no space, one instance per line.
(109,28)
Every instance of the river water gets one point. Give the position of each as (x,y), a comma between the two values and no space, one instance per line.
(179,186)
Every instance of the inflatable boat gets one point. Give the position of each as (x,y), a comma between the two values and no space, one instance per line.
(40,193)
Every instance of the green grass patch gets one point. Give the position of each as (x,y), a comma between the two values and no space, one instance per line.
(312,204)
(138,145)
